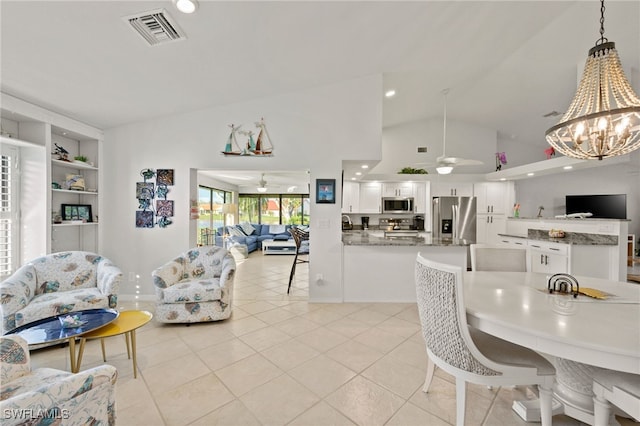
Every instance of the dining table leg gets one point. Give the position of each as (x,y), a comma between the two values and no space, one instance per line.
(572,394)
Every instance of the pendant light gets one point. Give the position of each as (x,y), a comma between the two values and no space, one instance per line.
(603,119)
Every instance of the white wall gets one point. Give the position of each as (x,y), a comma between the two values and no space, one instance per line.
(399,145)
(313,129)
(549,191)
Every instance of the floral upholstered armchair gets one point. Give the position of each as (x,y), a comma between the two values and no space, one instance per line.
(56,284)
(196,286)
(46,396)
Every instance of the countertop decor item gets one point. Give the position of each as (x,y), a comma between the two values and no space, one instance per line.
(603,119)
(556,233)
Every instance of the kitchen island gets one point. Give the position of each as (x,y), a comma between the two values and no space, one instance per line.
(381,269)
(591,247)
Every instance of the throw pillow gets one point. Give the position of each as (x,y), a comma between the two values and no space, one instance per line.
(247,228)
(280,237)
(232,230)
(277,229)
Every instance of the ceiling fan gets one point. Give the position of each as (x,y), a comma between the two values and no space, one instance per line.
(444,165)
(262,184)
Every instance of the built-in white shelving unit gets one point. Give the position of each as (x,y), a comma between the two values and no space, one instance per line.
(36,132)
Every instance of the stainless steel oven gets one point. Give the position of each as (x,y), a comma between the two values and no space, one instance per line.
(398,205)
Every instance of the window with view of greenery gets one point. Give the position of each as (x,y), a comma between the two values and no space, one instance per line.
(210,201)
(285,209)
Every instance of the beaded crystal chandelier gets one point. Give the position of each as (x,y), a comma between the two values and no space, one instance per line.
(603,119)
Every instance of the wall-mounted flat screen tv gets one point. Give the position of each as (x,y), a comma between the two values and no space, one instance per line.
(608,206)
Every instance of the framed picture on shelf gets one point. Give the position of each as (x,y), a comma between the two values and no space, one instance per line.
(326,191)
(77,212)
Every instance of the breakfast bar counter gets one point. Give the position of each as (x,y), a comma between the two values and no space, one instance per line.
(379,269)
(377,238)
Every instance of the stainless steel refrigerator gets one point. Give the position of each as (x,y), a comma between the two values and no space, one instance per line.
(454,218)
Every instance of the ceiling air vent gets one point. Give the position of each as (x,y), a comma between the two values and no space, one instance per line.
(156,27)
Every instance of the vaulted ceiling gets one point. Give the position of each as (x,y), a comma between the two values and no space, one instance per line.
(507,62)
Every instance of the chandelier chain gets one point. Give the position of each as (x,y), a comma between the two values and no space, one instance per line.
(603,39)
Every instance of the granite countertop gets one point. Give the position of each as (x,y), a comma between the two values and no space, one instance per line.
(376,238)
(567,219)
(573,238)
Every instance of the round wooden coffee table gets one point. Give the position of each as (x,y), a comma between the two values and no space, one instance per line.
(127,323)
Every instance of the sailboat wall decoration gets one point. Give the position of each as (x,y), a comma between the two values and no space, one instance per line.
(260,147)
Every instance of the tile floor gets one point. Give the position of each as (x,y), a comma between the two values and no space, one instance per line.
(283,361)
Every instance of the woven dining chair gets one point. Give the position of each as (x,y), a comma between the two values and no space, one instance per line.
(465,352)
(487,257)
(301,238)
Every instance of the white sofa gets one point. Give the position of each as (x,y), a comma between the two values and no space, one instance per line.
(56,284)
(46,396)
(196,286)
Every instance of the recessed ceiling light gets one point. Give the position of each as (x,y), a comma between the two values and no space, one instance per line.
(530,174)
(353,178)
(365,166)
(358,173)
(503,179)
(568,167)
(390,93)
(186,6)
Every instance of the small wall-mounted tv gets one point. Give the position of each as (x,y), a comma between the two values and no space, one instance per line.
(607,206)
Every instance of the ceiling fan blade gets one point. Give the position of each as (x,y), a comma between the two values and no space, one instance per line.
(458,161)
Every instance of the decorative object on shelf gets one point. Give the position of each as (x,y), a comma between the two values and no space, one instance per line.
(75,182)
(80,159)
(516,210)
(501,158)
(5,133)
(55,185)
(56,217)
(603,119)
(549,152)
(325,191)
(63,154)
(147,192)
(77,212)
(261,147)
(412,171)
(540,208)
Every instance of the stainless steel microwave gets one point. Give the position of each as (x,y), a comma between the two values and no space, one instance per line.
(397,205)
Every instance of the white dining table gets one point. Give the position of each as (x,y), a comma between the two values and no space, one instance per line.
(581,333)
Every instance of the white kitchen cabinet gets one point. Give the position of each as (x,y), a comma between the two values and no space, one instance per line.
(488,227)
(420,195)
(549,258)
(452,189)
(494,197)
(350,197)
(398,189)
(513,242)
(370,198)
